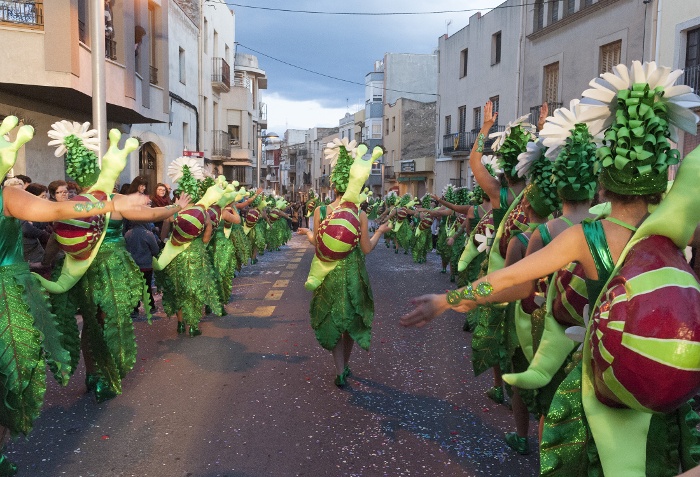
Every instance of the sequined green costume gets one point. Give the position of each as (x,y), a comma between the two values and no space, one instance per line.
(241,245)
(444,232)
(223,257)
(113,285)
(343,302)
(568,448)
(30,337)
(188,284)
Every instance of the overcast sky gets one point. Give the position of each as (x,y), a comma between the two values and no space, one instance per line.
(340,46)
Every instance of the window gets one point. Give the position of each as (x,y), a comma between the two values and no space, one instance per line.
(205,113)
(477,118)
(182,66)
(376,131)
(185,136)
(553,11)
(205,36)
(462,118)
(539,15)
(587,3)
(448,124)
(550,93)
(393,124)
(386,129)
(610,56)
(496,48)
(215,119)
(570,7)
(463,57)
(692,61)
(495,100)
(234,135)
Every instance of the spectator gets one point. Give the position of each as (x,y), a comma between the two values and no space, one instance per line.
(13,182)
(73,189)
(139,184)
(142,245)
(58,192)
(25,179)
(33,235)
(161,198)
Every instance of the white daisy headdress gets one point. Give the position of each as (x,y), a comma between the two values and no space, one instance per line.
(332,149)
(61,130)
(79,144)
(492,164)
(643,108)
(500,137)
(175,169)
(510,143)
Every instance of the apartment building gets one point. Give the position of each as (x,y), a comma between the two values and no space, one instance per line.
(213,98)
(47,73)
(480,62)
(677,44)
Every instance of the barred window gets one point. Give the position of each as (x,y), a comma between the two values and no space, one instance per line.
(610,56)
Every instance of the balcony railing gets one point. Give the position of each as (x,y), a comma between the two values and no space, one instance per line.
(220,74)
(154,74)
(110,49)
(691,77)
(241,82)
(535,111)
(28,13)
(221,145)
(464,141)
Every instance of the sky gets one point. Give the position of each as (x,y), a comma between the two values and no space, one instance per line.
(336,46)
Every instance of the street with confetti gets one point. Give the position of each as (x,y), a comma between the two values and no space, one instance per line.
(254,394)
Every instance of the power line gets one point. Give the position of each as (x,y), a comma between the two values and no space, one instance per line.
(323,74)
(316,12)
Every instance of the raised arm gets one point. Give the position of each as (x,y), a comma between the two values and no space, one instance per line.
(157,214)
(490,184)
(462,209)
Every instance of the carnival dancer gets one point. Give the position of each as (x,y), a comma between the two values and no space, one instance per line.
(622,410)
(342,307)
(183,270)
(422,241)
(402,226)
(447,227)
(389,214)
(235,231)
(33,338)
(106,285)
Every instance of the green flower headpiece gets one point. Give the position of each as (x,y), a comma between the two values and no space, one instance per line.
(188,173)
(205,184)
(188,184)
(643,108)
(341,155)
(78,143)
(539,170)
(462,196)
(425,201)
(510,143)
(448,194)
(391,199)
(405,199)
(569,136)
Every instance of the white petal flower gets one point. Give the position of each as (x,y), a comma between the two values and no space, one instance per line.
(62,129)
(485,240)
(332,149)
(527,158)
(600,100)
(493,162)
(558,127)
(175,168)
(500,137)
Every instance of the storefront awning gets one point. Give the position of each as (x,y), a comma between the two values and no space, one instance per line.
(412,179)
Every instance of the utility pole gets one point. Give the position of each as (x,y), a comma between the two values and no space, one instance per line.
(99,95)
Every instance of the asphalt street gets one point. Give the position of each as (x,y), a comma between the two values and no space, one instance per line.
(254,394)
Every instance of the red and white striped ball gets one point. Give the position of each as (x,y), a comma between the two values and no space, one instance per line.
(188,225)
(425,222)
(571,297)
(485,222)
(78,237)
(274,215)
(310,206)
(645,335)
(214,215)
(339,233)
(401,214)
(251,218)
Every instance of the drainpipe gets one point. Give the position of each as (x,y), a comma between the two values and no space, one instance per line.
(657,48)
(99,94)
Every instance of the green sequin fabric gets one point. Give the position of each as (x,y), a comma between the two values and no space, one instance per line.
(576,167)
(241,244)
(488,339)
(260,237)
(188,284)
(30,338)
(443,250)
(344,303)
(405,234)
(223,258)
(106,296)
(422,244)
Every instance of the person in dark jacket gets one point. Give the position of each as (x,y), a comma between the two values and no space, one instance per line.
(143,246)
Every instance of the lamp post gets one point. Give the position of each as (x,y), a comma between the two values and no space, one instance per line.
(265,136)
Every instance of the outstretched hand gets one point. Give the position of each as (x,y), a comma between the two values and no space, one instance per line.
(130,202)
(184,200)
(489,115)
(384,228)
(544,112)
(427,308)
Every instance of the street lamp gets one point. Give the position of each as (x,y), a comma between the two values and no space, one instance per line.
(265,136)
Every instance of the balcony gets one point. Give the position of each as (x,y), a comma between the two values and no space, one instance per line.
(389,173)
(691,77)
(463,142)
(27,13)
(535,111)
(220,144)
(220,75)
(292,167)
